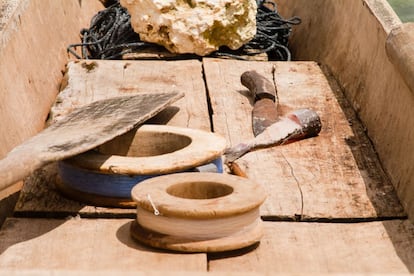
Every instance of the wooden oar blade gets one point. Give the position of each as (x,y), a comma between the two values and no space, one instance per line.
(101,121)
(84,129)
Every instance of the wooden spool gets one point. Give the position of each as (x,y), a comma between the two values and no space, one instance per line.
(105,176)
(198,212)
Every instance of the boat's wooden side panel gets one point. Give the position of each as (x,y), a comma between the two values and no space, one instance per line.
(353,45)
(400,50)
(307,248)
(86,81)
(84,245)
(333,176)
(32,55)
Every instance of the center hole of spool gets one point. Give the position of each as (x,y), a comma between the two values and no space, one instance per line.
(199,190)
(145,144)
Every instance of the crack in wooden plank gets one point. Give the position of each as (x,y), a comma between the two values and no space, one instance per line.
(292,172)
(208,98)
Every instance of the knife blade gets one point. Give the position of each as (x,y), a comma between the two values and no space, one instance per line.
(299,124)
(264,111)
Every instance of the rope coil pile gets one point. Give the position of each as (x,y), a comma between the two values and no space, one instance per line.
(110,35)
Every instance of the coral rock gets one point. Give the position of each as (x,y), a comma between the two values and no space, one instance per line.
(194,26)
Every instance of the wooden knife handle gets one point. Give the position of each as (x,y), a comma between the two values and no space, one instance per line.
(18,164)
(261,87)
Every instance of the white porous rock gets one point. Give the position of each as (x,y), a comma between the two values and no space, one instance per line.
(193,26)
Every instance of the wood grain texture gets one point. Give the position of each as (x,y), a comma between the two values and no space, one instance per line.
(85,245)
(154,150)
(32,56)
(241,239)
(336,175)
(199,197)
(87,81)
(314,248)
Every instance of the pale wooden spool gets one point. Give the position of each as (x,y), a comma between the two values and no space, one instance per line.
(198,212)
(149,150)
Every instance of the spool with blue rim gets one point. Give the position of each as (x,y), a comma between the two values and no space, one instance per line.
(105,176)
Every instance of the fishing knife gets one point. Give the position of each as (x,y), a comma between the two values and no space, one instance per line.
(264,111)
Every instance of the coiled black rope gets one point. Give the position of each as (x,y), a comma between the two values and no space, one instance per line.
(110,35)
(272,35)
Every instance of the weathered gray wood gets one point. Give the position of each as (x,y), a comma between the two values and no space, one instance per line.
(335,175)
(319,248)
(83,129)
(84,245)
(87,81)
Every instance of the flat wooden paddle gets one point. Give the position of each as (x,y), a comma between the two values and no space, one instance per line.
(84,129)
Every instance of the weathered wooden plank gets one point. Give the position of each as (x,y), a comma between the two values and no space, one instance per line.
(87,81)
(302,247)
(85,245)
(333,176)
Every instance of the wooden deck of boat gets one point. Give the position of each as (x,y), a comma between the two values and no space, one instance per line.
(330,207)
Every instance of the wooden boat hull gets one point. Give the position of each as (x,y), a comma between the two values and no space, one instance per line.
(355,43)
(351,44)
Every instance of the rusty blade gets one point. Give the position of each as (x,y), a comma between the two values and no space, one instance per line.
(264,111)
(300,124)
(264,114)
